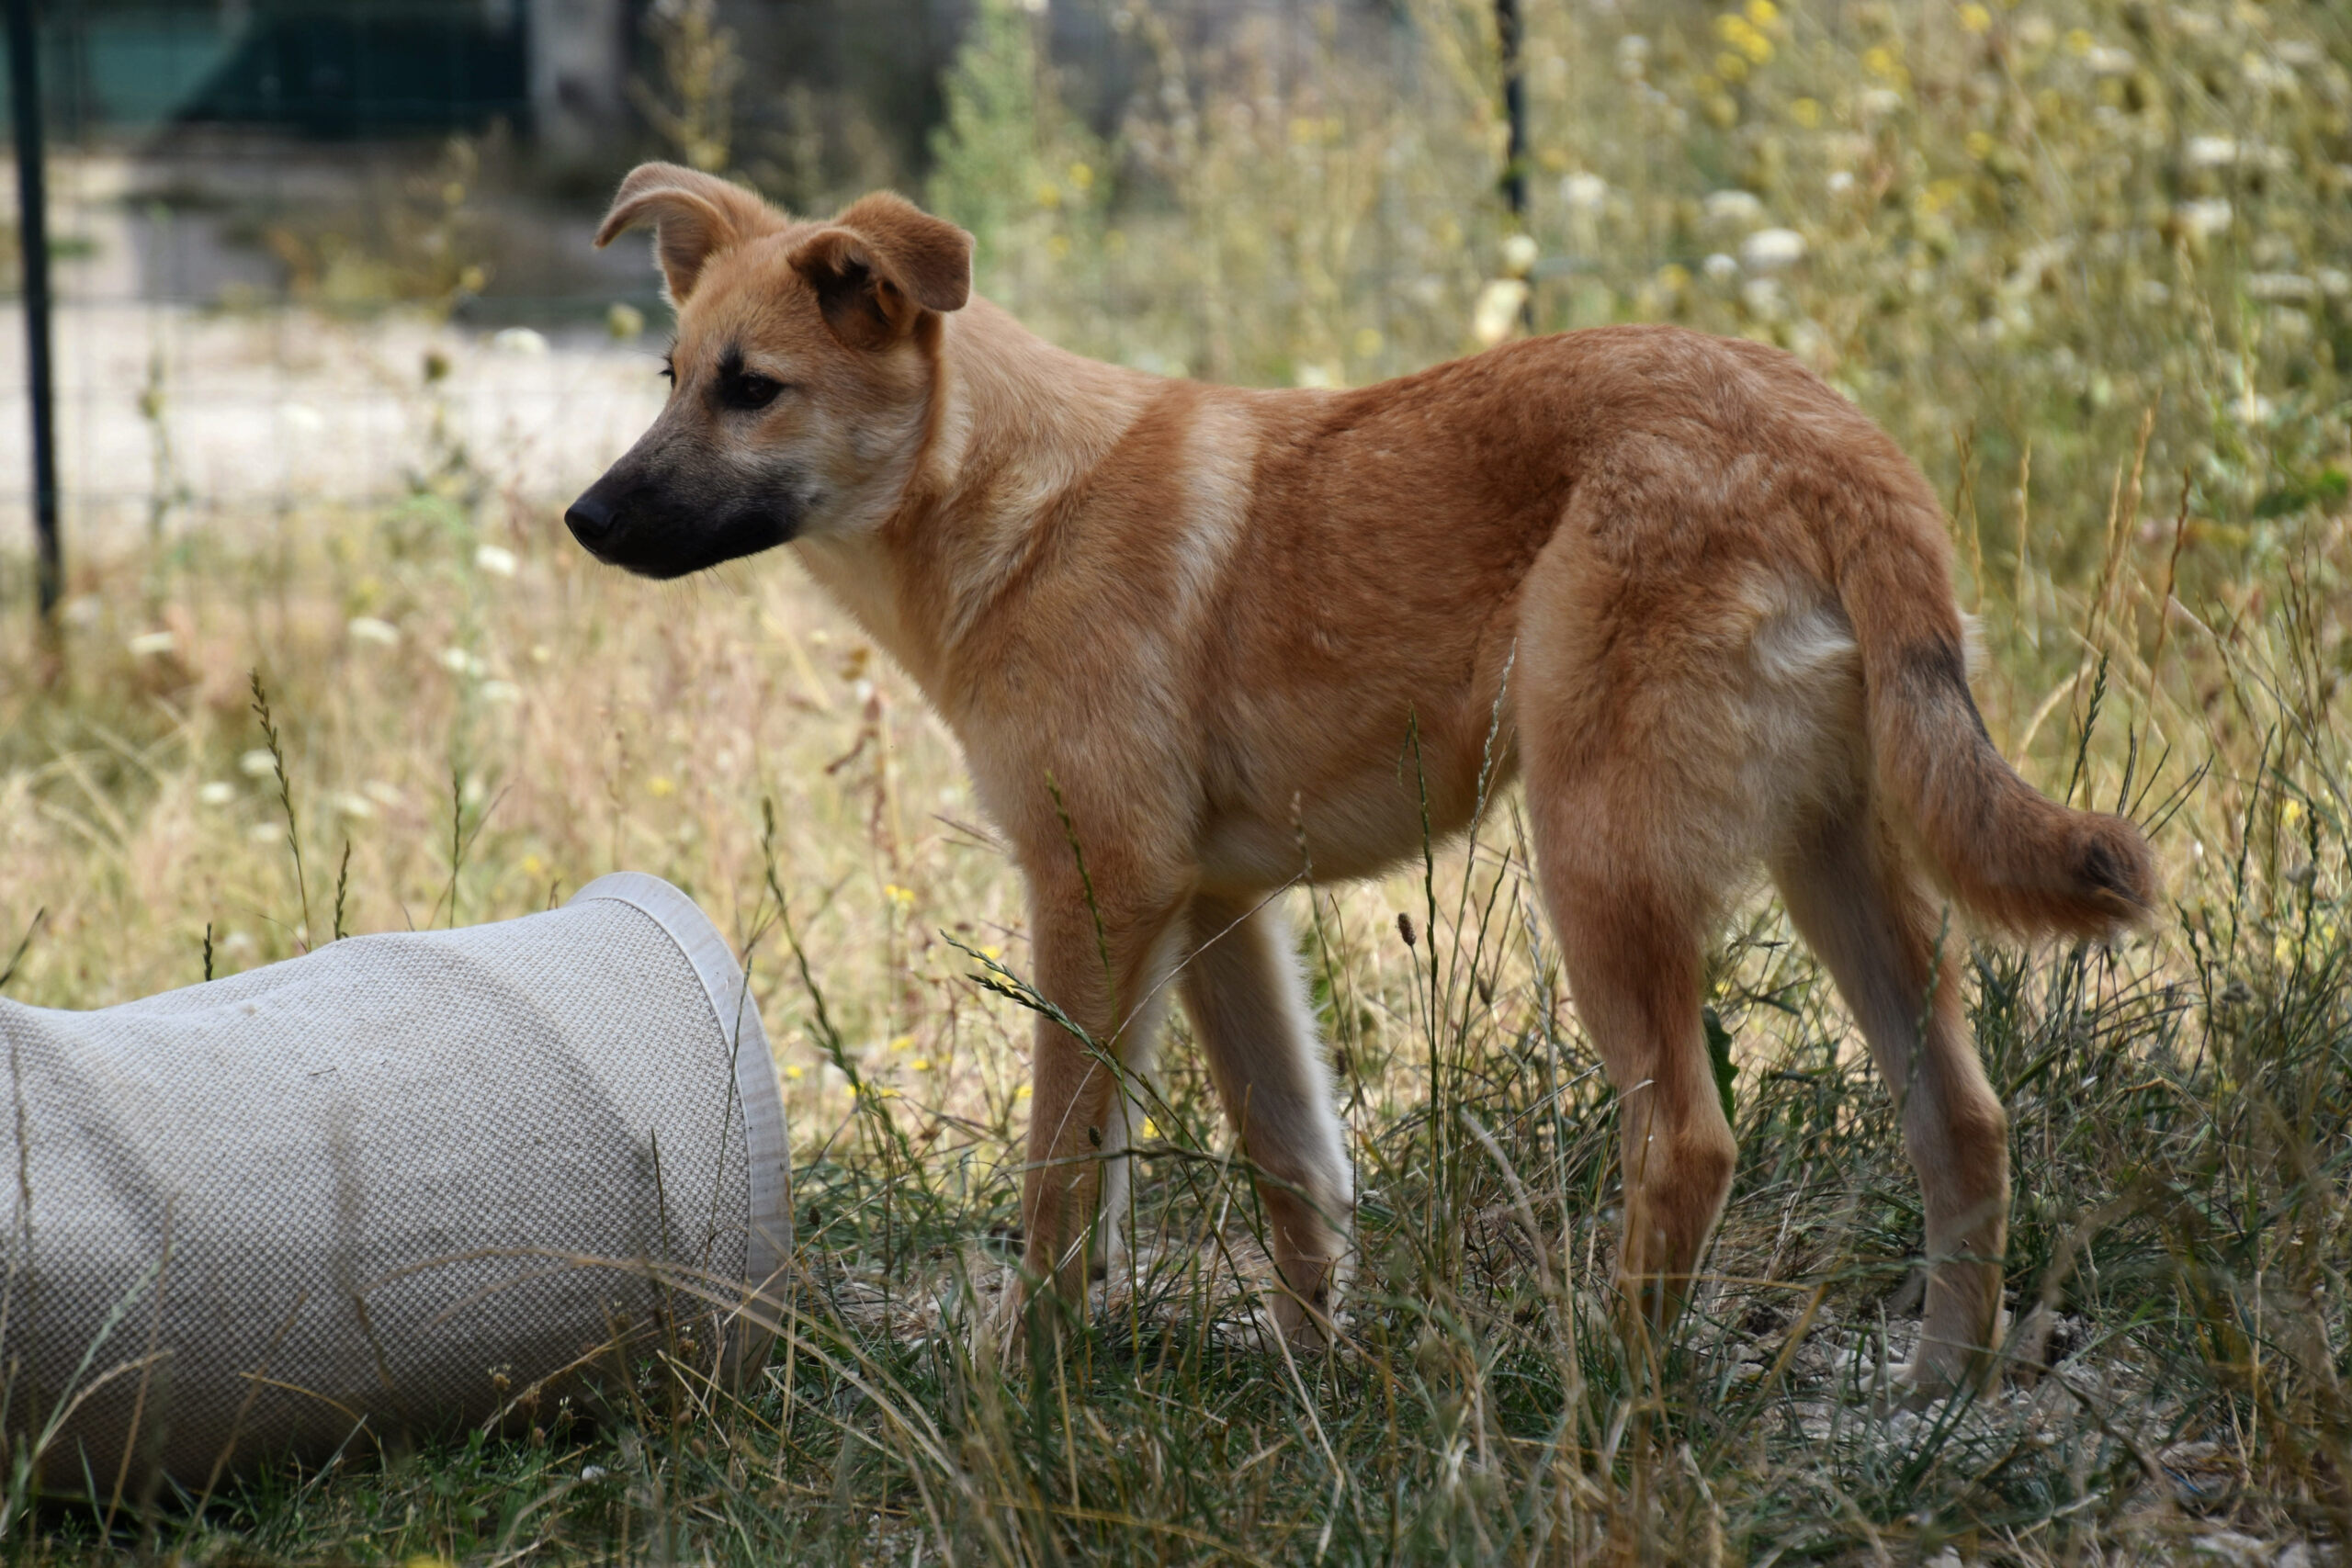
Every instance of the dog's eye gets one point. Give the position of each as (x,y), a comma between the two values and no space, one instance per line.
(669,372)
(750,390)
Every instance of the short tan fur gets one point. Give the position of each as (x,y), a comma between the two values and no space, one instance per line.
(1707,601)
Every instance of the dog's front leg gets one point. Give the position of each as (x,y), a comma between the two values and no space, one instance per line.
(1101,961)
(1249,1008)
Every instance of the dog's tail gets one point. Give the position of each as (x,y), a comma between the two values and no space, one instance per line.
(2005,853)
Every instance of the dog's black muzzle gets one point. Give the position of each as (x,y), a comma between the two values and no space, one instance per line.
(648,528)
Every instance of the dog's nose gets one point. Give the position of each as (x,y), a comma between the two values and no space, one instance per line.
(593,519)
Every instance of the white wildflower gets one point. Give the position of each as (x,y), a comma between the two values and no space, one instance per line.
(1519,256)
(1719,268)
(1584,193)
(257,763)
(1498,309)
(495,559)
(1762,298)
(1741,208)
(2276,286)
(501,691)
(216,793)
(2210,152)
(2107,61)
(1769,250)
(302,417)
(148,644)
(358,808)
(367,628)
(522,340)
(2208,216)
(2224,152)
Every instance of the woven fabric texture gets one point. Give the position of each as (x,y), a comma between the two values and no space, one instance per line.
(361,1191)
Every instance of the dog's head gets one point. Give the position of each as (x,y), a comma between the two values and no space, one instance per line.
(801,379)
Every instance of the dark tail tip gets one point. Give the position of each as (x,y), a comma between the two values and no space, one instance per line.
(2112,872)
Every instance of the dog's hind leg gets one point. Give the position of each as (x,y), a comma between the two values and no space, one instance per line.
(1895,959)
(1633,742)
(1633,948)
(1247,1004)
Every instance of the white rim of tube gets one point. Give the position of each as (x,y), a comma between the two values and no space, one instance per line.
(767,1152)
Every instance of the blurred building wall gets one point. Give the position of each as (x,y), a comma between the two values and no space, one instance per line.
(579,64)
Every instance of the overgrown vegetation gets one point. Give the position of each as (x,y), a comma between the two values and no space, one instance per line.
(2090,261)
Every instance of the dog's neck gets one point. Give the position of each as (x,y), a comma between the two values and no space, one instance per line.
(1015,425)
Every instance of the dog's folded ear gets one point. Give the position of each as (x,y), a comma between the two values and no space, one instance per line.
(880,265)
(693,216)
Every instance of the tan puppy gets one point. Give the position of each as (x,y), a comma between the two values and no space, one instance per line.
(1708,600)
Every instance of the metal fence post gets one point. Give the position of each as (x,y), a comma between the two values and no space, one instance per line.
(1507,36)
(32,242)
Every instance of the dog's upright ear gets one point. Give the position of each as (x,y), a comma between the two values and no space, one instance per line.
(880,265)
(693,216)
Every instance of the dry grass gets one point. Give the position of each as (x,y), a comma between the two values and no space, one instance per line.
(2137,405)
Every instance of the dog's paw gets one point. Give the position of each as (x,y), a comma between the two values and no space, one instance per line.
(1307,1327)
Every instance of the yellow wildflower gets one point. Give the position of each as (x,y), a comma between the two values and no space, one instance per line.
(1744,36)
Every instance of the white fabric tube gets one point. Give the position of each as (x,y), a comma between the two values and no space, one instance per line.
(403,1182)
